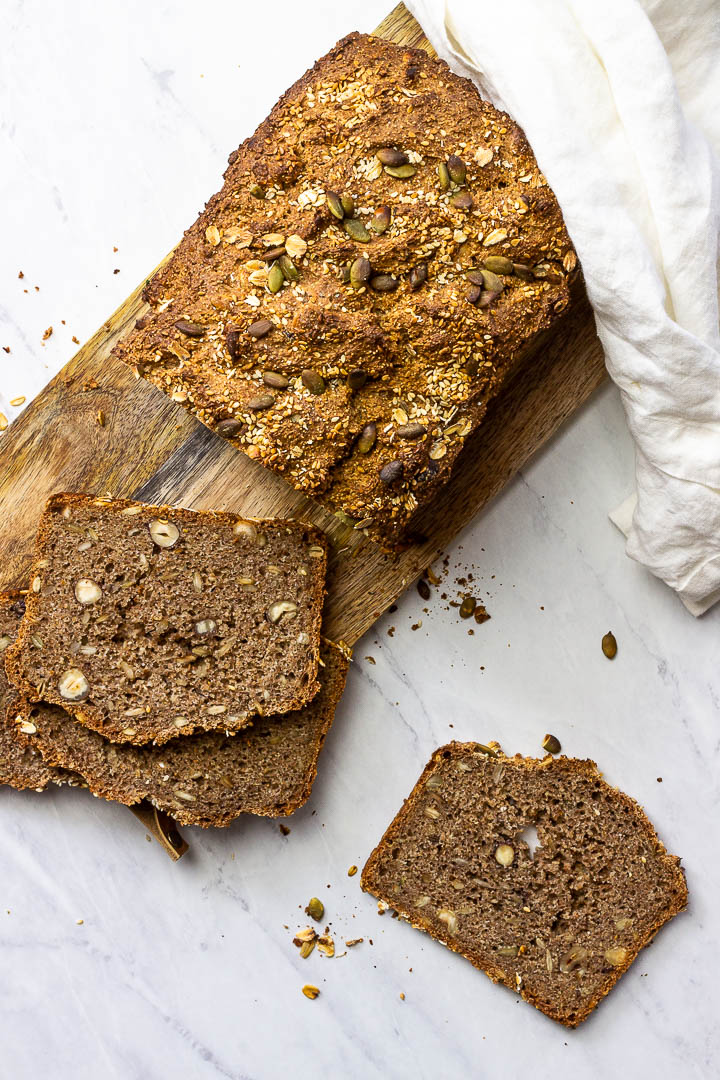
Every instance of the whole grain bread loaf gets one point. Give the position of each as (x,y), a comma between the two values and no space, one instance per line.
(207,778)
(149,622)
(383,251)
(21,764)
(558,925)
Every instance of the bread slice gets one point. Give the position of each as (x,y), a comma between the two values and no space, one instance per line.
(559,926)
(21,765)
(149,622)
(207,778)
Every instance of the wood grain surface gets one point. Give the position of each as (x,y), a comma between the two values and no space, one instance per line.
(97,428)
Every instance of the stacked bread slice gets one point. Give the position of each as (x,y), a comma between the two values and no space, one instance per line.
(172,656)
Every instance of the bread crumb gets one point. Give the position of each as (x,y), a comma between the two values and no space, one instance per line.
(48,333)
(79,922)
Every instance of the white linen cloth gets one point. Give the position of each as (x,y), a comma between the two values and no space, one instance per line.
(621,104)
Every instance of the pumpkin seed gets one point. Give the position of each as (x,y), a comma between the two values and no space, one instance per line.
(411,431)
(262,401)
(383,283)
(360,271)
(418,276)
(357,378)
(424,589)
(462,201)
(400,172)
(457,169)
(272,254)
(443,176)
(275,380)
(522,271)
(190,329)
(498,264)
(551,744)
(334,204)
(380,221)
(275,278)
(228,428)
(368,437)
(467,607)
(315,909)
(256,191)
(260,328)
(356,230)
(389,156)
(313,381)
(348,205)
(609,645)
(487,297)
(492,282)
(507,950)
(288,268)
(392,472)
(475,277)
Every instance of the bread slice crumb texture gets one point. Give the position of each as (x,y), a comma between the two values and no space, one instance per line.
(557,922)
(207,778)
(149,622)
(21,765)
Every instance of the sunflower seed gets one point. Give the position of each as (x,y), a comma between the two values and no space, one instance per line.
(228,428)
(383,283)
(523,272)
(275,380)
(367,439)
(392,472)
(418,276)
(260,328)
(411,431)
(609,645)
(260,402)
(190,329)
(313,381)
(357,378)
(87,591)
(389,156)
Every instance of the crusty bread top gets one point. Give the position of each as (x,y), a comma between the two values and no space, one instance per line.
(409,344)
(558,926)
(151,622)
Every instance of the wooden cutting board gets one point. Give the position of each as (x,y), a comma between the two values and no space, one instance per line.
(150,449)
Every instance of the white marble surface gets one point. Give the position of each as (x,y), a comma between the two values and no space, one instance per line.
(115,122)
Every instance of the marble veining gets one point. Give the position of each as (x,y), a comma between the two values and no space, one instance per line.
(115,123)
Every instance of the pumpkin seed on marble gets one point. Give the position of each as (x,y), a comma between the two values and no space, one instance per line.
(551,744)
(383,283)
(609,645)
(334,204)
(357,378)
(289,269)
(356,230)
(313,381)
(457,169)
(360,271)
(262,401)
(275,380)
(275,278)
(368,437)
(380,221)
(389,156)
(498,264)
(418,276)
(315,909)
(467,607)
(400,172)
(443,177)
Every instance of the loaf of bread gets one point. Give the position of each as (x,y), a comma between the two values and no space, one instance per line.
(21,765)
(558,925)
(382,254)
(207,778)
(149,622)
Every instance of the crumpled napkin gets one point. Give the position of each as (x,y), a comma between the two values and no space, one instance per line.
(621,104)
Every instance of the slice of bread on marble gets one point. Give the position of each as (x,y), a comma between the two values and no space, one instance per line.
(207,778)
(21,764)
(149,622)
(559,925)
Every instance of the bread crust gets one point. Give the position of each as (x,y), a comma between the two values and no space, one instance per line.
(15,658)
(578,767)
(432,359)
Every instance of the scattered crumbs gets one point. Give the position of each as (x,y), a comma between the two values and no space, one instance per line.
(20,274)
(348,944)
(100,418)
(471,633)
(75,340)
(79,922)
(402,996)
(370,940)
(63,322)
(18,400)
(284,829)
(416,626)
(659,779)
(6,348)
(36,288)
(148,837)
(115,249)
(116,271)
(392,609)
(370,659)
(48,333)
(391,631)
(542,607)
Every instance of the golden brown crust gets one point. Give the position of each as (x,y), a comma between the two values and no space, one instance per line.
(587,769)
(428,358)
(17,654)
